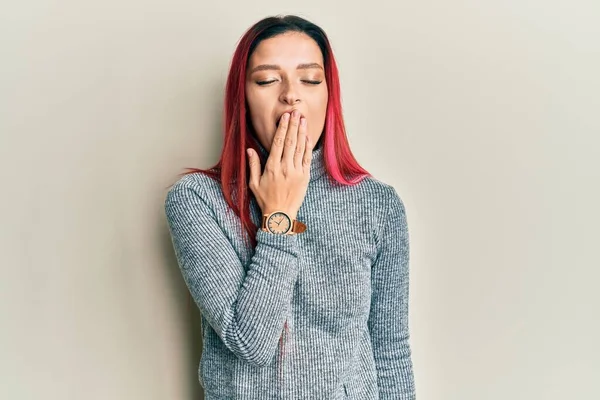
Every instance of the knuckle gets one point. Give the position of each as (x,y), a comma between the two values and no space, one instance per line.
(278,140)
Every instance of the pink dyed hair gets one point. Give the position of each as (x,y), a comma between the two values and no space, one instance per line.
(340,164)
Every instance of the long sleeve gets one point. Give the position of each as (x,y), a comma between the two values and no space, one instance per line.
(388,318)
(245,308)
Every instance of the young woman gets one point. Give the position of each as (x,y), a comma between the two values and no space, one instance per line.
(295,255)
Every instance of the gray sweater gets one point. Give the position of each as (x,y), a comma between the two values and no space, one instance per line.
(342,286)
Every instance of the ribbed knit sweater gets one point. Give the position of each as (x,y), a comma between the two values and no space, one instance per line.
(342,286)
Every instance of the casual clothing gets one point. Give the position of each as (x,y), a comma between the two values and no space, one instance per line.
(342,286)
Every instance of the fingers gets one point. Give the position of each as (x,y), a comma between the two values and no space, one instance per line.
(254,163)
(307,156)
(289,149)
(279,141)
(301,144)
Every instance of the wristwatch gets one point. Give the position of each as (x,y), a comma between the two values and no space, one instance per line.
(278,222)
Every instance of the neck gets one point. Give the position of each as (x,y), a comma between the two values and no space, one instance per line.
(317,165)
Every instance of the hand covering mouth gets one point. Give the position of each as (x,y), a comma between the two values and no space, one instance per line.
(279,119)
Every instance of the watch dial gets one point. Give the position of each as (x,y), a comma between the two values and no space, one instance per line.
(279,223)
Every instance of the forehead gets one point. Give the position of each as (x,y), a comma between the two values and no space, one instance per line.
(288,50)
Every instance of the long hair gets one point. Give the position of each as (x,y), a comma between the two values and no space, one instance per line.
(231,171)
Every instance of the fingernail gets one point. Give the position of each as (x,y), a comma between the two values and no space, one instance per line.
(303,121)
(248,152)
(295,113)
(286,116)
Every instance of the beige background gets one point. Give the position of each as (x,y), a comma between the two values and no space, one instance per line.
(483,115)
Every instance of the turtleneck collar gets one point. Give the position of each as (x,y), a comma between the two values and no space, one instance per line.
(317,165)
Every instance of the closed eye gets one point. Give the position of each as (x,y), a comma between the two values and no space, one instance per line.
(262,83)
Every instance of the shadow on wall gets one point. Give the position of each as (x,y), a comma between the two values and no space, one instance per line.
(189,314)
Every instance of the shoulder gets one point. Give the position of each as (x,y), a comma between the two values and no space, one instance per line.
(195,185)
(380,194)
(388,207)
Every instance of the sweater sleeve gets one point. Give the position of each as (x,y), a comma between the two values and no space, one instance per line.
(388,318)
(246,309)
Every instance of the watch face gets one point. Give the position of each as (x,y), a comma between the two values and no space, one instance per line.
(279,223)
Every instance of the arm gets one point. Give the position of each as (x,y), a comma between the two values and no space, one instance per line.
(388,318)
(246,309)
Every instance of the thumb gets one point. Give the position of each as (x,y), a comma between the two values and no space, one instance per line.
(254,162)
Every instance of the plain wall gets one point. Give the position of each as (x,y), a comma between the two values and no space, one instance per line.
(483,115)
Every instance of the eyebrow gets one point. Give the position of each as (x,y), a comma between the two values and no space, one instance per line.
(264,67)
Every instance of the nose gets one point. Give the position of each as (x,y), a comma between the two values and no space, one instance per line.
(289,94)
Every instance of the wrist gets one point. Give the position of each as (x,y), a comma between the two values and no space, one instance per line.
(290,214)
(280,222)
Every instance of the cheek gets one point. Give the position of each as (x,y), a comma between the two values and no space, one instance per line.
(261,119)
(252,100)
(254,107)
(320,109)
(322,102)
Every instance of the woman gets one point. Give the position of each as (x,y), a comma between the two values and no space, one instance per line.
(296,257)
